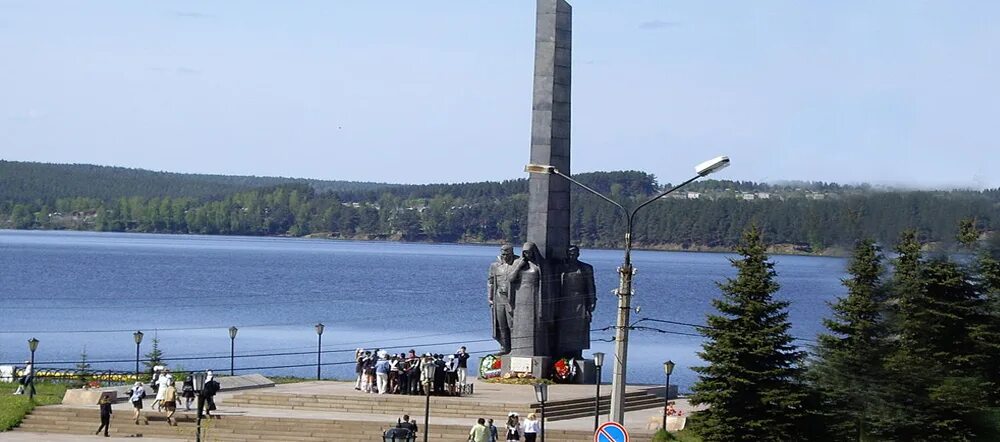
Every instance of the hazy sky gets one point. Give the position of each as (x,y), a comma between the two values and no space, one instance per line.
(895,92)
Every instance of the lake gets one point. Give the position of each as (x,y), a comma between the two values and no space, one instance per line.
(87,291)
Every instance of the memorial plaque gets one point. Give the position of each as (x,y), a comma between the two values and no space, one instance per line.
(520,365)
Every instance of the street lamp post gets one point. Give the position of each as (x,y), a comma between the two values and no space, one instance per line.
(232,350)
(542,394)
(598,362)
(319,350)
(138,340)
(626,271)
(32,345)
(199,385)
(668,367)
(427,405)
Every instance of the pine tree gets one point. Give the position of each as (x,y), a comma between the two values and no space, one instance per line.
(83,367)
(987,337)
(155,356)
(848,370)
(935,386)
(751,385)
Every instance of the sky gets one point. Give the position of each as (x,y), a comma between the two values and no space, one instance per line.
(902,93)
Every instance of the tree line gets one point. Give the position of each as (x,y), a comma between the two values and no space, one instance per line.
(478,212)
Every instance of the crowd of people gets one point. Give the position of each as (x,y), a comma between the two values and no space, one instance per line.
(166,398)
(380,372)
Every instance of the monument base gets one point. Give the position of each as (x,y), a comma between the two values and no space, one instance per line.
(586,372)
(539,367)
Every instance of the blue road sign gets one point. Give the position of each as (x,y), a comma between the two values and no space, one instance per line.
(611,432)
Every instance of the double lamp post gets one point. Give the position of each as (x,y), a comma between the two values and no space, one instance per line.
(626,271)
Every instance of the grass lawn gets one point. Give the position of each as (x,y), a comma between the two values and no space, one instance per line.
(13,408)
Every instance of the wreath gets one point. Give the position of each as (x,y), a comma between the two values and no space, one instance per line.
(489,367)
(564,369)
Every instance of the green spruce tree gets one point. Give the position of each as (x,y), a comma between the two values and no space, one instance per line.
(154,357)
(848,369)
(751,385)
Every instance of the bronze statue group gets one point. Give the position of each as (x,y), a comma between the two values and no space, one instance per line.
(541,307)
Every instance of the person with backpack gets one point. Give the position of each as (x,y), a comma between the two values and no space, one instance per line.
(135,396)
(208,391)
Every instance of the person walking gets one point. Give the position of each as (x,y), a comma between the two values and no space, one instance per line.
(163,379)
(211,388)
(187,392)
(531,428)
(27,379)
(492,429)
(513,426)
(479,433)
(135,396)
(105,404)
(169,403)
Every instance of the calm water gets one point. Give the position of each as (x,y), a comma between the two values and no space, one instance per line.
(80,290)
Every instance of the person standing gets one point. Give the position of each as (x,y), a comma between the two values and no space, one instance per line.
(105,404)
(531,428)
(135,396)
(359,361)
(463,367)
(382,374)
(479,433)
(492,429)
(513,427)
(170,402)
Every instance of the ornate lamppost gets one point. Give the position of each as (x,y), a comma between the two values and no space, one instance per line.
(668,368)
(32,345)
(319,350)
(542,395)
(598,362)
(232,350)
(138,340)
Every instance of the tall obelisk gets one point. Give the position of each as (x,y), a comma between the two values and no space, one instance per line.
(548,195)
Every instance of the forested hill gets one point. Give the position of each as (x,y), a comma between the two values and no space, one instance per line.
(43,183)
(708,214)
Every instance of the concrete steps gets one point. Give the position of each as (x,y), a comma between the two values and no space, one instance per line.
(577,408)
(389,405)
(246,428)
(464,407)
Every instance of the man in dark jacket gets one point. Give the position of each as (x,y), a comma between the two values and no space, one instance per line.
(105,404)
(208,391)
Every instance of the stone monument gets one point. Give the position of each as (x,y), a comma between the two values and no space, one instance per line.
(549,292)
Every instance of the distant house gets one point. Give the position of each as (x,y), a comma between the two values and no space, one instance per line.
(763,195)
(693,195)
(747,196)
(815,196)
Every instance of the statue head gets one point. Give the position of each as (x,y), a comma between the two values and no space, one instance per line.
(530,251)
(572,253)
(507,253)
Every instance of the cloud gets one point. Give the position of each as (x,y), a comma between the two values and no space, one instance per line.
(30,114)
(653,25)
(192,14)
(180,70)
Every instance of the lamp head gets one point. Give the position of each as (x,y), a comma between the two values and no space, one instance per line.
(541,392)
(598,359)
(540,168)
(138,337)
(32,344)
(711,166)
(668,367)
(232,332)
(319,328)
(199,380)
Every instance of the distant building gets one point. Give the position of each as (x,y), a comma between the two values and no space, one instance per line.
(693,195)
(747,196)
(763,195)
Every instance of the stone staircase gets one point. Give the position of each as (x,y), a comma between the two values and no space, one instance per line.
(463,407)
(68,420)
(388,405)
(577,408)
